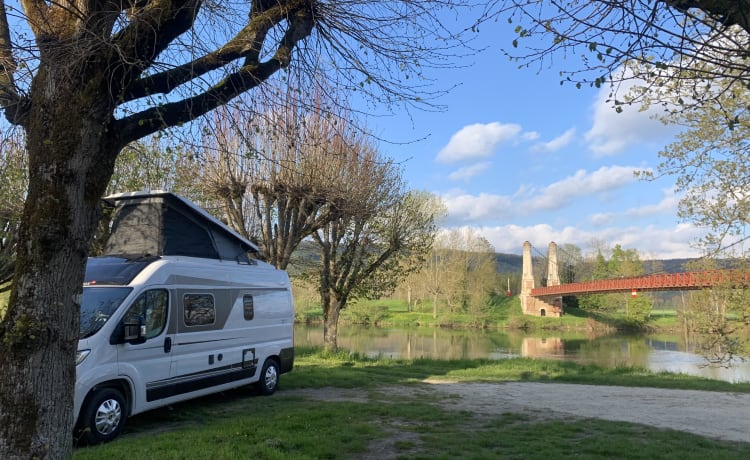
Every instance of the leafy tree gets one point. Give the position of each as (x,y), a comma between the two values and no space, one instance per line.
(597,302)
(711,163)
(688,56)
(416,285)
(621,263)
(367,254)
(625,263)
(459,273)
(693,41)
(638,309)
(717,319)
(84,80)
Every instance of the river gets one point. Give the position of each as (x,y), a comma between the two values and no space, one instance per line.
(656,353)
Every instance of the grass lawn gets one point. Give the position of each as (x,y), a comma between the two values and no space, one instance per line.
(239,424)
(4,301)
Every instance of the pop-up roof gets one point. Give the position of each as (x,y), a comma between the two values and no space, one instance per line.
(164,223)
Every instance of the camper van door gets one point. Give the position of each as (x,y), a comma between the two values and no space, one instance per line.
(209,342)
(148,360)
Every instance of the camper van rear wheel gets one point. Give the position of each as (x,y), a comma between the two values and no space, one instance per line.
(103,416)
(269,377)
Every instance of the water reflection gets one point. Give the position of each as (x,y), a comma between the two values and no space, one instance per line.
(665,353)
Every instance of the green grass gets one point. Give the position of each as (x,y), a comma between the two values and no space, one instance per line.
(4,295)
(295,428)
(501,313)
(315,369)
(239,424)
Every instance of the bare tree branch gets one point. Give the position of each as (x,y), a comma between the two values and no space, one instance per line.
(10,100)
(300,18)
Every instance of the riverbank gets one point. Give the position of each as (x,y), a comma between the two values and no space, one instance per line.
(345,406)
(504,313)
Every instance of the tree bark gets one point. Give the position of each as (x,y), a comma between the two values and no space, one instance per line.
(71,159)
(331,312)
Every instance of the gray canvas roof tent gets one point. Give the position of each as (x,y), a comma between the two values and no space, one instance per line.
(159,223)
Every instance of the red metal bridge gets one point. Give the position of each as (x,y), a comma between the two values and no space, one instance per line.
(547,300)
(659,282)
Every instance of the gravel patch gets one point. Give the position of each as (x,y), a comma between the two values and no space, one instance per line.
(717,415)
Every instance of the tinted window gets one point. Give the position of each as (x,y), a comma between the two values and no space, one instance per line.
(248,307)
(151,308)
(97,305)
(199,309)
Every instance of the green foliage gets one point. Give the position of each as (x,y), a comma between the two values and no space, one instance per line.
(639,309)
(621,263)
(364,313)
(4,295)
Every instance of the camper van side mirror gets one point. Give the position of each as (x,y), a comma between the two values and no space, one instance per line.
(130,331)
(133,331)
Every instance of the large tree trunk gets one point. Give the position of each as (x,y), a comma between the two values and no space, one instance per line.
(331,312)
(71,159)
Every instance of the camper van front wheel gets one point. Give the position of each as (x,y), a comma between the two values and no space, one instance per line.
(103,416)
(269,377)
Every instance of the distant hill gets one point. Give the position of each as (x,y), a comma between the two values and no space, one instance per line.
(512,263)
(508,263)
(666,265)
(307,254)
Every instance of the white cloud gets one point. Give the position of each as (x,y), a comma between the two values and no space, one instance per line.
(582,183)
(477,141)
(468,172)
(666,207)
(651,242)
(612,132)
(557,143)
(602,218)
(466,207)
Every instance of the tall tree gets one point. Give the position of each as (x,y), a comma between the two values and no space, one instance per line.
(84,79)
(368,253)
(282,174)
(460,271)
(710,159)
(621,263)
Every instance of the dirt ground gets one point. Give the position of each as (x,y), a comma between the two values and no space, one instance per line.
(724,416)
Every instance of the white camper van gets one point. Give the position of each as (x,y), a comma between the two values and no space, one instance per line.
(175,310)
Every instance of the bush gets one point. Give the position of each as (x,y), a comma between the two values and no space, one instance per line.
(362,313)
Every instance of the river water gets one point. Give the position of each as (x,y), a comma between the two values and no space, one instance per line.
(656,353)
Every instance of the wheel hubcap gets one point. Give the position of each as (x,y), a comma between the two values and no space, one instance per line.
(271,377)
(108,416)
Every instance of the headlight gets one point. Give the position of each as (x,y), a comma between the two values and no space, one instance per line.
(81,355)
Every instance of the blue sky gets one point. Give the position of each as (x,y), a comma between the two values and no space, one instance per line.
(519,157)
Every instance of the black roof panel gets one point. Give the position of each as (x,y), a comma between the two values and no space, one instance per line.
(114,270)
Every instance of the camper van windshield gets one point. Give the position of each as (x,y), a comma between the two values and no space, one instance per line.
(97,305)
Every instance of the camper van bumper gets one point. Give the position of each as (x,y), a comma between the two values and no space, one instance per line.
(287,360)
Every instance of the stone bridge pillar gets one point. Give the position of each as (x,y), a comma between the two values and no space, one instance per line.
(538,306)
(553,276)
(527,280)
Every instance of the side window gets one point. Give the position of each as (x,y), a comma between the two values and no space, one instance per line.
(247,307)
(199,309)
(151,308)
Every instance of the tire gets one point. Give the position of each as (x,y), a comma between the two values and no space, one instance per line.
(102,417)
(269,378)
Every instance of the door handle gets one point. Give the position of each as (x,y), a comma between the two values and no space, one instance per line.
(167,344)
